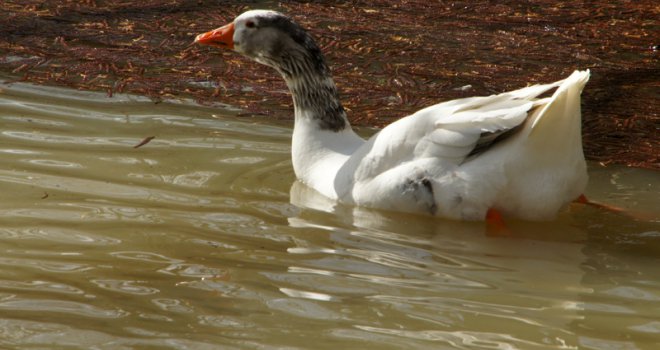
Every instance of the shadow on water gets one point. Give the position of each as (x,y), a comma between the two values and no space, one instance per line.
(563,279)
(584,269)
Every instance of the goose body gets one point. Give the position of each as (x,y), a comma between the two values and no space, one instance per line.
(516,152)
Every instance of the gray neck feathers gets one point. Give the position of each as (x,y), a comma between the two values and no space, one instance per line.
(303,67)
(317,95)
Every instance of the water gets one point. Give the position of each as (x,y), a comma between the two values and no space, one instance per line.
(199,240)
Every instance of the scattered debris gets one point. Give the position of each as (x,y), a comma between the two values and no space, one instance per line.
(467,87)
(144,141)
(418,52)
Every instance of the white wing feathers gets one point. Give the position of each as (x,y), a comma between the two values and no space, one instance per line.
(449,131)
(456,134)
(489,118)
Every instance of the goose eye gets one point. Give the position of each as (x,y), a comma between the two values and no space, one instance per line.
(249,24)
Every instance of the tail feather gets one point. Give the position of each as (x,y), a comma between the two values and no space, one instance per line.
(565,100)
(556,126)
(548,163)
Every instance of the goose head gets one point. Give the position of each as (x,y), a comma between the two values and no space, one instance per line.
(272,39)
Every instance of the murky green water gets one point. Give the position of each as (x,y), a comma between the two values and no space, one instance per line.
(197,240)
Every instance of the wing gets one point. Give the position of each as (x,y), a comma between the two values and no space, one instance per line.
(450,131)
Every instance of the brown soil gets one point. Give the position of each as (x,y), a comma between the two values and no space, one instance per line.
(389,57)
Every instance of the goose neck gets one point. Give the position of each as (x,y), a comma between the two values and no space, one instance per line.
(316,98)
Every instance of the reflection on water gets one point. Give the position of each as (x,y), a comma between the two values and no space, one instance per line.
(198,240)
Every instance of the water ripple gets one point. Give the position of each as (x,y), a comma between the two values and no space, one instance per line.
(466,339)
(172,305)
(123,286)
(28,136)
(60,306)
(57,234)
(192,270)
(303,308)
(54,163)
(145,256)
(40,286)
(47,266)
(225,322)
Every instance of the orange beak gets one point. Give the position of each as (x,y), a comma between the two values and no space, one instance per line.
(221,37)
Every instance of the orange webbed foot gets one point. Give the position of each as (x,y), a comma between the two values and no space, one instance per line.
(495,225)
(582,199)
(641,216)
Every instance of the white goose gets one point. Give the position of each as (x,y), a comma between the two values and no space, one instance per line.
(513,154)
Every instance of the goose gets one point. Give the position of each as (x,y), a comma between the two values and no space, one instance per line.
(515,154)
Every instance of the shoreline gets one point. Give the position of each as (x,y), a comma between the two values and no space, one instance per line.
(388,60)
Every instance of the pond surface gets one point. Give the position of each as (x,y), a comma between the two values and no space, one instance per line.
(198,240)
